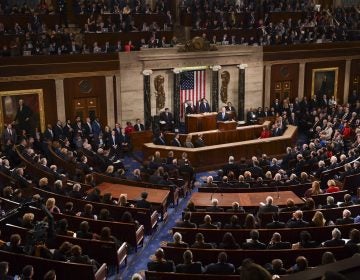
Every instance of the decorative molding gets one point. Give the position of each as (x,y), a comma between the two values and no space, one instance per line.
(147,72)
(57,76)
(242,66)
(216,67)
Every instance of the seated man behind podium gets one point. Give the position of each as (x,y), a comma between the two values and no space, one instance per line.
(204,106)
(230,108)
(138,126)
(143,203)
(222,116)
(199,142)
(167,120)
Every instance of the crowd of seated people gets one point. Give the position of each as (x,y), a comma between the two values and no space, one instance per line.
(314,25)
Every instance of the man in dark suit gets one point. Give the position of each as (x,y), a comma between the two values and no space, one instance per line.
(222,116)
(49,133)
(346,219)
(176,142)
(268,207)
(160,140)
(231,166)
(9,134)
(297,220)
(58,131)
(189,266)
(222,267)
(277,106)
(275,223)
(143,203)
(336,240)
(254,243)
(330,203)
(189,108)
(207,223)
(199,142)
(139,126)
(230,108)
(242,183)
(277,244)
(166,120)
(186,223)
(204,106)
(160,264)
(88,130)
(214,207)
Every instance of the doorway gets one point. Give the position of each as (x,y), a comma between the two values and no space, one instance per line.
(85,107)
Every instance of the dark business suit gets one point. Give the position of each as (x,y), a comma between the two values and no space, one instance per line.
(204,107)
(220,268)
(139,127)
(166,266)
(222,117)
(9,135)
(143,204)
(192,268)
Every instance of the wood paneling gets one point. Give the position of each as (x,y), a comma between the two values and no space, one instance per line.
(48,87)
(355,76)
(284,74)
(303,51)
(90,87)
(325,64)
(57,64)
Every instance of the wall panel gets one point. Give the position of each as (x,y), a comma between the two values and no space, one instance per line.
(83,88)
(283,74)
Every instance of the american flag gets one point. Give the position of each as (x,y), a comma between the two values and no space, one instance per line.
(192,87)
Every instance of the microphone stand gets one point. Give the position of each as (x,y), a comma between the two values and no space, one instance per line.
(277,192)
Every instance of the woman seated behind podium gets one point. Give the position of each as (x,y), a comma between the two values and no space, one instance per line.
(188,143)
(265,133)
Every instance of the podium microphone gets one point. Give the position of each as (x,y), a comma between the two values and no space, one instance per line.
(277,192)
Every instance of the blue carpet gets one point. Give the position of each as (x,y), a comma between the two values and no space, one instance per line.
(137,261)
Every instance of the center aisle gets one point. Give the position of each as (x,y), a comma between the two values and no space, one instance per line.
(137,261)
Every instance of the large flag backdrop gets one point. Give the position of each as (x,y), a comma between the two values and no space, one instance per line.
(192,87)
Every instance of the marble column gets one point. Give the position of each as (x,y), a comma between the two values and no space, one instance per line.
(110,106)
(118,117)
(347,80)
(301,86)
(176,97)
(215,88)
(147,98)
(60,99)
(241,92)
(267,85)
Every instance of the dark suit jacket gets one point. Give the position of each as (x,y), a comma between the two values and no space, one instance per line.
(275,224)
(143,204)
(9,136)
(208,226)
(190,110)
(344,221)
(136,127)
(186,224)
(334,243)
(193,268)
(253,245)
(292,223)
(214,209)
(279,246)
(267,209)
(204,107)
(220,268)
(167,266)
(222,118)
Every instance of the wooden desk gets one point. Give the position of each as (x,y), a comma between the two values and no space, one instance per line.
(200,122)
(156,197)
(211,157)
(228,125)
(138,138)
(245,199)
